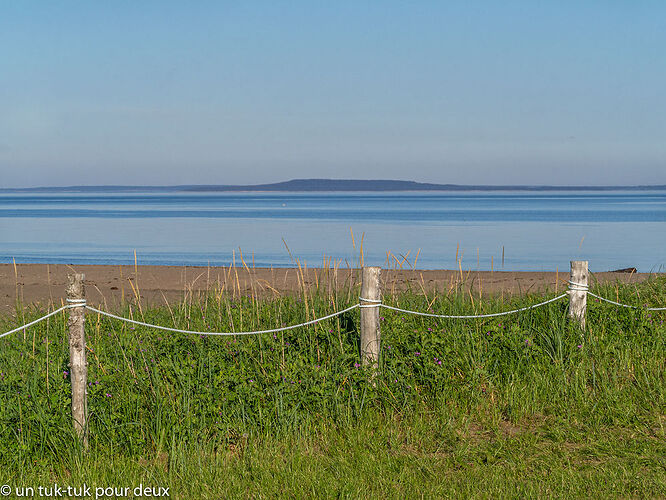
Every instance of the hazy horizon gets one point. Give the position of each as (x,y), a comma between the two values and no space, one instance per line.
(258,92)
(288,181)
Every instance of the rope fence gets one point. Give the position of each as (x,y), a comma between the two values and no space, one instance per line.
(27,325)
(369,304)
(364,303)
(257,332)
(491,315)
(603,299)
(372,304)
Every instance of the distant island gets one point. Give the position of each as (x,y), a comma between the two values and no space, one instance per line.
(321,185)
(395,185)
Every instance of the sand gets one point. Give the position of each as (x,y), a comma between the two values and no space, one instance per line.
(108,286)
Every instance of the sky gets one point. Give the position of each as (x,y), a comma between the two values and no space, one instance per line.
(484,92)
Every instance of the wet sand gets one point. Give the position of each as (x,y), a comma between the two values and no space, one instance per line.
(44,284)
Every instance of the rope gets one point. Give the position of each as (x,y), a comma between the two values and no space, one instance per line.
(625,305)
(274,330)
(36,321)
(478,315)
(578,287)
(373,303)
(581,287)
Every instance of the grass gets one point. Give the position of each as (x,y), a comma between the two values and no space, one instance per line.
(523,405)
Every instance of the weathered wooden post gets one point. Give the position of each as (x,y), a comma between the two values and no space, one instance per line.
(78,364)
(578,285)
(370,332)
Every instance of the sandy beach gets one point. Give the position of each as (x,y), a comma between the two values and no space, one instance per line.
(44,284)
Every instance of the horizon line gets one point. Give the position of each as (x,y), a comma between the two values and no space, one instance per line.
(327,184)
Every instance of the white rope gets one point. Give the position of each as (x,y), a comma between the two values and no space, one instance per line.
(36,321)
(374,303)
(578,287)
(274,330)
(478,315)
(625,305)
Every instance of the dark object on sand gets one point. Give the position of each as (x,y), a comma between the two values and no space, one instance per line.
(625,270)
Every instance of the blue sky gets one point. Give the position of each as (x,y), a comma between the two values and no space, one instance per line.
(529,92)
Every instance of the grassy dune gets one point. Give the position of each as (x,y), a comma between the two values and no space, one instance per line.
(523,405)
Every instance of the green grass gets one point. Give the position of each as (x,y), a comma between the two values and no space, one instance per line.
(525,405)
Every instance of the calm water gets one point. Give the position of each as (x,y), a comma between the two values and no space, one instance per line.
(536,231)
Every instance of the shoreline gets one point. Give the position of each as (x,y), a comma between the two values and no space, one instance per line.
(111,285)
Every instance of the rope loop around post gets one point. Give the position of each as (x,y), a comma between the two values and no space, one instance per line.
(77,302)
(577,287)
(369,303)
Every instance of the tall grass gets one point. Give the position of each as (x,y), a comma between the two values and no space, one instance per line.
(475,400)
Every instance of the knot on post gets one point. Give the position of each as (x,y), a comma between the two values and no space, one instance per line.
(369,302)
(577,287)
(77,302)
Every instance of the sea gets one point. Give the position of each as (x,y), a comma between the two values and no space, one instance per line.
(476,230)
